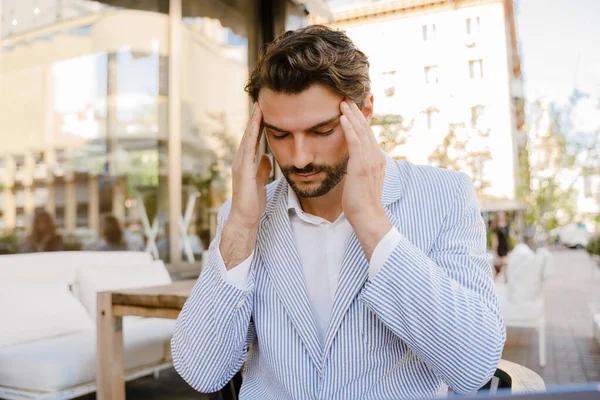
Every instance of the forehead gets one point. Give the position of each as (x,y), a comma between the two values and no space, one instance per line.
(298,112)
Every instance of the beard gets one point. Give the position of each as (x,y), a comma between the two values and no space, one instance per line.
(333,175)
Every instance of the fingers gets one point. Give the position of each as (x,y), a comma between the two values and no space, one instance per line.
(250,141)
(360,125)
(354,144)
(259,137)
(264,169)
(358,115)
(370,135)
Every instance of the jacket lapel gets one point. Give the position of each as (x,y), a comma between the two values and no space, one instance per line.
(355,267)
(282,263)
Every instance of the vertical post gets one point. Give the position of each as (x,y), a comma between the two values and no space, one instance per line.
(51,201)
(110,379)
(70,203)
(28,185)
(174,131)
(119,195)
(49,151)
(94,203)
(29,205)
(10,206)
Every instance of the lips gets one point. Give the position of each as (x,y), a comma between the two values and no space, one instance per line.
(308,176)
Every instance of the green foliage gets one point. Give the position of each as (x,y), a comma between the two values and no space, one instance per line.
(9,242)
(548,201)
(454,154)
(593,246)
(394,131)
(562,154)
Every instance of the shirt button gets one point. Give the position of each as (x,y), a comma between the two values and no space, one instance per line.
(240,304)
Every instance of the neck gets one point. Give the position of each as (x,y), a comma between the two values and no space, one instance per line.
(328,206)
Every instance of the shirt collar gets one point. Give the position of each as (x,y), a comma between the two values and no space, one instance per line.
(295,208)
(293,202)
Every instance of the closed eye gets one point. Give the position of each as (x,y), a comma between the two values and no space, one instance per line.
(326,133)
(277,136)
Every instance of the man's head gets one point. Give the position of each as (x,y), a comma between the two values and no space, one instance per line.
(300,80)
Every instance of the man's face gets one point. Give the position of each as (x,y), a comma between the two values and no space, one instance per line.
(305,135)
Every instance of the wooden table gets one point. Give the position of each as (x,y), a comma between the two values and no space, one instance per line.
(157,302)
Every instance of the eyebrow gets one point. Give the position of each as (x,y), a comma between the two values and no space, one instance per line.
(312,128)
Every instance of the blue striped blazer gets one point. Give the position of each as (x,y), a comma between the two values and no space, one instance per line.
(429,320)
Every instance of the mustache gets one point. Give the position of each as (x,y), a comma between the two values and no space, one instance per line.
(309,169)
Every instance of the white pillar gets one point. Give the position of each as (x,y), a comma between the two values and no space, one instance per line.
(10,207)
(29,203)
(51,200)
(70,204)
(119,196)
(174,131)
(93,203)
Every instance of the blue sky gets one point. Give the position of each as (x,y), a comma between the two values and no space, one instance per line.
(560,47)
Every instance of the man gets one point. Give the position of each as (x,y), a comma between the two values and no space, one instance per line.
(356,276)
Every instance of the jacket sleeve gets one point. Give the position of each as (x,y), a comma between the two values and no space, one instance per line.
(212,331)
(443,304)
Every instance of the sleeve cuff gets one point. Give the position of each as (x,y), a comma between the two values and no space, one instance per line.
(383,251)
(238,275)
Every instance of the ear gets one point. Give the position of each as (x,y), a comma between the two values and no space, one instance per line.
(368,106)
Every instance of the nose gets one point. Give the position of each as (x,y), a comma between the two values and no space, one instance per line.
(303,154)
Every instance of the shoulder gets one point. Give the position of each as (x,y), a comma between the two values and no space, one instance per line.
(429,180)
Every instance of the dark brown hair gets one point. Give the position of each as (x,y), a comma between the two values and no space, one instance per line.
(312,55)
(43,225)
(43,236)
(112,232)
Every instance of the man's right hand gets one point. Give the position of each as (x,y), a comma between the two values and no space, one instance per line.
(249,196)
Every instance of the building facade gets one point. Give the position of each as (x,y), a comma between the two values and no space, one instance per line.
(447,85)
(133,108)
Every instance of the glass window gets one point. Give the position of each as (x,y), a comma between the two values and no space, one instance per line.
(84,106)
(477,113)
(215,109)
(476,69)
(389,82)
(432,118)
(431,74)
(428,32)
(472,25)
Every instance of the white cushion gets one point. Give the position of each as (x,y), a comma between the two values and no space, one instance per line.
(31,310)
(92,280)
(67,361)
(524,275)
(547,261)
(61,266)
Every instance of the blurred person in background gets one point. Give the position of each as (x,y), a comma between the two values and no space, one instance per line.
(43,236)
(499,230)
(112,235)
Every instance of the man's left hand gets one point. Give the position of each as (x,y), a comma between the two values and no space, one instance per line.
(361,201)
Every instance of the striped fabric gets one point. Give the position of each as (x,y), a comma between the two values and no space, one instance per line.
(429,320)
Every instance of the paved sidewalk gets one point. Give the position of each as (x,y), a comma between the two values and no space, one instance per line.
(573,356)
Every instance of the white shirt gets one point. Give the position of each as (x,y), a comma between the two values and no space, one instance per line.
(321,246)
